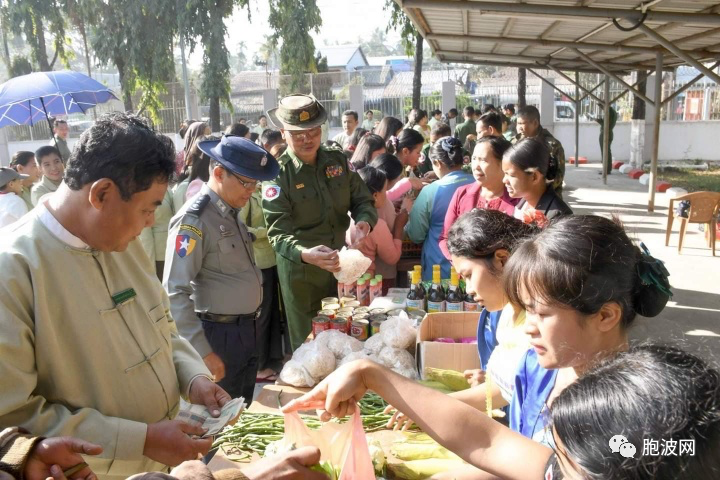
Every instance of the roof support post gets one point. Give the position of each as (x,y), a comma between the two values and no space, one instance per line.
(687,85)
(656,131)
(608,73)
(549,83)
(589,93)
(678,51)
(577,119)
(606,130)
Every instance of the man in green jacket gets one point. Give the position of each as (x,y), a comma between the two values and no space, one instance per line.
(306,209)
(467,127)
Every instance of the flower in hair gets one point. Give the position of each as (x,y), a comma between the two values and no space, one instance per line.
(394,141)
(652,272)
(449,144)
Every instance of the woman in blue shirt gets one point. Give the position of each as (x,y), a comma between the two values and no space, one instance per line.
(428,214)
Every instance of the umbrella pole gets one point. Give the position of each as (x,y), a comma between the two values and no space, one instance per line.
(47,117)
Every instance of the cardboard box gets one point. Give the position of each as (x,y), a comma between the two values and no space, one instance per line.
(447,356)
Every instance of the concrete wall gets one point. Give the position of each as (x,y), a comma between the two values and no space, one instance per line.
(678,140)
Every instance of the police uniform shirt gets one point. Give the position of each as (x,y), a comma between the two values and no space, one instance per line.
(209,266)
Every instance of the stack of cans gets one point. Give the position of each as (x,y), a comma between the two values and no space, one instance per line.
(348,316)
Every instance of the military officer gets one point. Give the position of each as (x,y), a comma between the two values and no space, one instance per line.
(306,210)
(528,126)
(214,286)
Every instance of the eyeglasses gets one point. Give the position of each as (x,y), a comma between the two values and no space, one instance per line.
(246,185)
(303,135)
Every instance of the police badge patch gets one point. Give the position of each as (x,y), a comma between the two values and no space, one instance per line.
(271,192)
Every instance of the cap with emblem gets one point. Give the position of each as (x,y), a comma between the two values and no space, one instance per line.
(7,175)
(298,112)
(241,156)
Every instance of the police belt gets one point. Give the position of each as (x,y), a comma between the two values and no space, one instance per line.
(217,318)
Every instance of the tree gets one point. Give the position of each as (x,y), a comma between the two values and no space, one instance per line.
(205,19)
(412,41)
(80,12)
(638,110)
(31,17)
(20,65)
(137,38)
(521,87)
(292,21)
(375,46)
(239,59)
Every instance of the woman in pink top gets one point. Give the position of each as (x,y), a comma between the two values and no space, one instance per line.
(381,243)
(487,192)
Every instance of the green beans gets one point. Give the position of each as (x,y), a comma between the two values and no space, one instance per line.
(253,432)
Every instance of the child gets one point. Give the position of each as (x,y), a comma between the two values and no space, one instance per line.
(381,243)
(12,206)
(52,168)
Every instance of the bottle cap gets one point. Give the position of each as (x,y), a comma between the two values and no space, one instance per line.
(378,277)
(373,282)
(361,281)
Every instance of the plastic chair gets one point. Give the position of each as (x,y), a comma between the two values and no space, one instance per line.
(704,208)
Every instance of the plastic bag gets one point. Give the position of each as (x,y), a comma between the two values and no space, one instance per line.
(343,445)
(352,357)
(374,344)
(352,265)
(317,359)
(398,332)
(342,345)
(293,373)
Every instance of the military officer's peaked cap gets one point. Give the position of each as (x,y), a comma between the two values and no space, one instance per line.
(298,112)
(241,156)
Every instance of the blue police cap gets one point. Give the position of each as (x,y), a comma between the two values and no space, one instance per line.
(241,156)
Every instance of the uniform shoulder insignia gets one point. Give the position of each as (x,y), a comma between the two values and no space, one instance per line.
(199,205)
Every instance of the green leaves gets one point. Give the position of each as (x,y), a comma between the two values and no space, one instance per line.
(401,23)
(292,21)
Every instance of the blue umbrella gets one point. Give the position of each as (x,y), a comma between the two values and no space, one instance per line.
(29,99)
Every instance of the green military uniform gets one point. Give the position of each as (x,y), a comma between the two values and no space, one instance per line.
(613,121)
(464,129)
(557,154)
(306,206)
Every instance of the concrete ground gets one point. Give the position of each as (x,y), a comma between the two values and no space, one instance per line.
(691,319)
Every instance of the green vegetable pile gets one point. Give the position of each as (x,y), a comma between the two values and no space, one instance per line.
(253,432)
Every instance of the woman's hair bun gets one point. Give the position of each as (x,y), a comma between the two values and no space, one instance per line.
(652,291)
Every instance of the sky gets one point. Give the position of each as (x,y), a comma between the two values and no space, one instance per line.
(343,21)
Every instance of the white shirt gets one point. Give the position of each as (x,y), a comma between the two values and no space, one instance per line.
(52,224)
(12,208)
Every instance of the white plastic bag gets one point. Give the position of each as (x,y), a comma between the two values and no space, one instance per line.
(352,265)
(398,332)
(293,373)
(317,359)
(374,344)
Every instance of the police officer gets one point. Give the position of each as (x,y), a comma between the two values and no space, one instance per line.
(306,210)
(214,286)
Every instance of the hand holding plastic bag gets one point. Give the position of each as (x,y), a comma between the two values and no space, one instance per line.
(352,265)
(342,445)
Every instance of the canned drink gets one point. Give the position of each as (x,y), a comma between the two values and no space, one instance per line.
(320,324)
(358,316)
(328,301)
(346,309)
(347,298)
(339,324)
(378,317)
(359,329)
(394,312)
(327,313)
(362,310)
(352,304)
(377,311)
(375,327)
(332,306)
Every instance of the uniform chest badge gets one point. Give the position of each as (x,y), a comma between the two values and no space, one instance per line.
(224,232)
(184,245)
(271,192)
(334,171)
(299,186)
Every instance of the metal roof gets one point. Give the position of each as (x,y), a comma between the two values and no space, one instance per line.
(569,34)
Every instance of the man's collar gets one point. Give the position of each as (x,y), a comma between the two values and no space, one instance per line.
(220,204)
(297,163)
